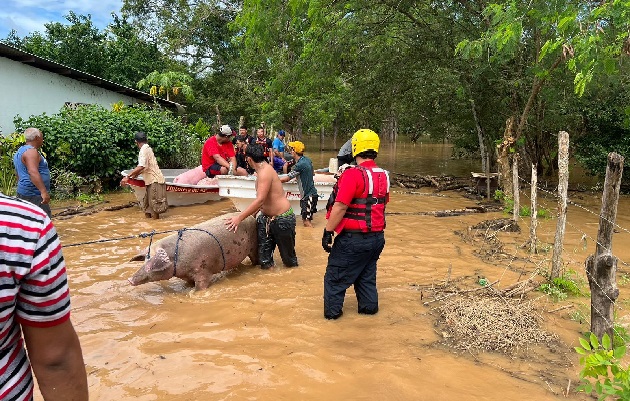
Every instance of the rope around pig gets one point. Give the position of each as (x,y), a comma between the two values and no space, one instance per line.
(151,234)
(179,238)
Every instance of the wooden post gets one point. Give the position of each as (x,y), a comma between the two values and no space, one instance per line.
(515,189)
(488,175)
(563,186)
(534,209)
(601,268)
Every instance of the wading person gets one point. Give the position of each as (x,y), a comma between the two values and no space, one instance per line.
(154,202)
(303,171)
(356,212)
(32,171)
(276,221)
(35,310)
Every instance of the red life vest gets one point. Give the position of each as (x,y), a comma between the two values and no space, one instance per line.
(369,208)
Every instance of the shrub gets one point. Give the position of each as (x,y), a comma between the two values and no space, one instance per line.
(8,146)
(93,141)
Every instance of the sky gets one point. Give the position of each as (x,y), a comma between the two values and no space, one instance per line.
(26,16)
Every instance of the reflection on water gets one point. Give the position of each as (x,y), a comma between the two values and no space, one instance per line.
(424,158)
(404,157)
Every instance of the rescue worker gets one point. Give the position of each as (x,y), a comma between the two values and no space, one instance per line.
(356,212)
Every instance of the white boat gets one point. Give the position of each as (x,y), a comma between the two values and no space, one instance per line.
(177,194)
(242,190)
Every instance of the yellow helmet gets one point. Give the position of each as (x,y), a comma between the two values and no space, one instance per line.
(364,139)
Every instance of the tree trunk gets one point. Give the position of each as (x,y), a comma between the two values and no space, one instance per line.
(563,185)
(335,134)
(601,268)
(321,139)
(216,107)
(515,185)
(503,159)
(534,211)
(480,137)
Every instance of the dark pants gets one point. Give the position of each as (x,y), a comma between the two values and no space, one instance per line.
(37,200)
(352,261)
(272,231)
(308,206)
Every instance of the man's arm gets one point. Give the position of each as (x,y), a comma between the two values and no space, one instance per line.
(31,159)
(336,215)
(57,361)
(221,161)
(133,174)
(263,185)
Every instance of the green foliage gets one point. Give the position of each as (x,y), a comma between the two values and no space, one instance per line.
(524,210)
(8,146)
(64,184)
(201,130)
(93,141)
(602,372)
(561,287)
(168,84)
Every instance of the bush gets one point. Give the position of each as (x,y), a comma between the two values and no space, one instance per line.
(8,146)
(93,141)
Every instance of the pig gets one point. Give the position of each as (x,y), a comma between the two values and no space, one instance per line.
(203,250)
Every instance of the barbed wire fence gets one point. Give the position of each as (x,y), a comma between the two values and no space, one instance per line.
(600,267)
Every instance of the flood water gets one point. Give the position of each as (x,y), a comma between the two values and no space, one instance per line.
(430,158)
(261,335)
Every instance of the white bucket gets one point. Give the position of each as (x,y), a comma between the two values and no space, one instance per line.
(333,165)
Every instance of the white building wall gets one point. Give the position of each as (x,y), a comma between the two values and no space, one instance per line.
(27,91)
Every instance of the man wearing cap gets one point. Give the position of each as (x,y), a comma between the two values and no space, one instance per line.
(303,171)
(218,156)
(356,212)
(278,144)
(154,201)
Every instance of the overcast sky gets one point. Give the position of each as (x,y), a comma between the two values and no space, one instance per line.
(26,16)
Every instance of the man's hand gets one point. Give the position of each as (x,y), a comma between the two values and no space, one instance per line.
(232,223)
(327,240)
(45,198)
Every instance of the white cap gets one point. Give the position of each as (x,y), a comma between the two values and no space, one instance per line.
(226,130)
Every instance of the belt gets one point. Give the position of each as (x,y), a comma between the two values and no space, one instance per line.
(360,233)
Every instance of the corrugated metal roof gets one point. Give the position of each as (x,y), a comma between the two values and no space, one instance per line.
(15,54)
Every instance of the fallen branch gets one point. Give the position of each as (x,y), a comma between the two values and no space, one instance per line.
(560,308)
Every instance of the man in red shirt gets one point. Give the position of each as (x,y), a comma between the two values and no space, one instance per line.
(218,156)
(356,212)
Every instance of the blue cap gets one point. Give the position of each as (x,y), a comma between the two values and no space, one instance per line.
(281,132)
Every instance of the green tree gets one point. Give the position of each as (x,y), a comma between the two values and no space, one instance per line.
(167,83)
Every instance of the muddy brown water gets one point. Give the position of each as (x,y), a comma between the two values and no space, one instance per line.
(261,335)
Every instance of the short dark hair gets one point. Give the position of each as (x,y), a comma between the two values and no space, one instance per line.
(140,136)
(243,127)
(240,138)
(368,154)
(256,152)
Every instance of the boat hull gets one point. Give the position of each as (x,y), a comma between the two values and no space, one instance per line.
(242,191)
(177,194)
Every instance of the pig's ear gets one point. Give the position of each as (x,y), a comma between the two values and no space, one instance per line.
(140,256)
(161,261)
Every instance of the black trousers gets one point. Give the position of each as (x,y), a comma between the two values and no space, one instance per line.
(37,200)
(352,261)
(280,231)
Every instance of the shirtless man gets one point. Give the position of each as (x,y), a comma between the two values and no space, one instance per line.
(276,221)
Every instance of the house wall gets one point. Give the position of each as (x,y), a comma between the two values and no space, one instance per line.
(27,91)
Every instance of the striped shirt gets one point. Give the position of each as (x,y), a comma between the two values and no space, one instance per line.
(33,289)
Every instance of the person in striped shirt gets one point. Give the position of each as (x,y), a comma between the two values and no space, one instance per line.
(35,309)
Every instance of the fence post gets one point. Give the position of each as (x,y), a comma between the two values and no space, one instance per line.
(601,267)
(563,186)
(534,211)
(515,189)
